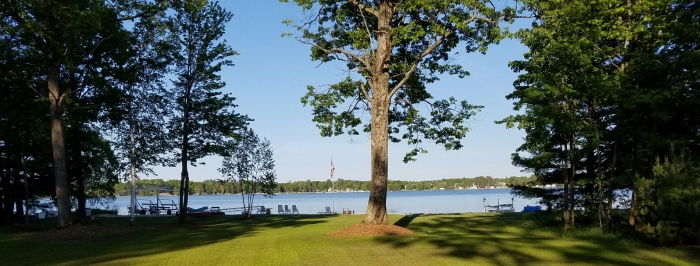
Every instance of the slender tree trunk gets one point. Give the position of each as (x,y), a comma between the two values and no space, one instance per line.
(185,176)
(376,207)
(572,183)
(5,198)
(80,176)
(565,171)
(632,221)
(591,193)
(611,187)
(132,161)
(19,206)
(17,192)
(59,149)
(184,180)
(242,193)
(25,182)
(26,195)
(2,193)
(599,178)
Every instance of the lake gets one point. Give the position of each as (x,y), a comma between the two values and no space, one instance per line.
(429,201)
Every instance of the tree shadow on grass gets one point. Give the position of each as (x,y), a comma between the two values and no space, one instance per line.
(505,239)
(151,235)
(406,220)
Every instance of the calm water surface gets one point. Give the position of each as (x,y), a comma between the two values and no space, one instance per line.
(431,201)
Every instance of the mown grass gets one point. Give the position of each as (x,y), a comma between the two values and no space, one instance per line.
(465,239)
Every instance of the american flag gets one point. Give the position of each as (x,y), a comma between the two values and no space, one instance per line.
(332,168)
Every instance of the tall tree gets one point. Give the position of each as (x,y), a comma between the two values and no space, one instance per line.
(203,116)
(137,121)
(65,35)
(559,88)
(396,48)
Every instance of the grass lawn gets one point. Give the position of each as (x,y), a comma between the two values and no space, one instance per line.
(464,239)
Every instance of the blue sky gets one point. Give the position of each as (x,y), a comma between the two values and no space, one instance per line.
(271,74)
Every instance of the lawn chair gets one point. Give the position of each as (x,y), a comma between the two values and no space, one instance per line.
(260,210)
(294,209)
(328,211)
(286,209)
(279,209)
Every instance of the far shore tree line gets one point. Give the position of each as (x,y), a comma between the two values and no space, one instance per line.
(208,187)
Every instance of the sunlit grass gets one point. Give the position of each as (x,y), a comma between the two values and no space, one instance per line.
(474,239)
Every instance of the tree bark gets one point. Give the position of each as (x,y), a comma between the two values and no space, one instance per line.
(572,183)
(132,161)
(184,175)
(611,196)
(632,221)
(5,198)
(184,180)
(376,207)
(59,149)
(79,176)
(566,191)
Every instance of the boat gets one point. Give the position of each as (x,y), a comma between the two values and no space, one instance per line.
(529,208)
(204,211)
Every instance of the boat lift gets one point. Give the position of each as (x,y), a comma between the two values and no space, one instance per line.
(157,207)
(500,207)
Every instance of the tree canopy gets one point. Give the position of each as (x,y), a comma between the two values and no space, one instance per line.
(393,51)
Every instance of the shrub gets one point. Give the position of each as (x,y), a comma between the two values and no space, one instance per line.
(670,201)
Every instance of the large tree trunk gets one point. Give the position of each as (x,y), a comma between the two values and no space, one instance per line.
(59,149)
(381,98)
(376,207)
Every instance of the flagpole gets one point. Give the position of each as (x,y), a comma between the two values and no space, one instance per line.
(332,184)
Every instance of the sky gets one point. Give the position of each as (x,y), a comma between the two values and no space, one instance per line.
(271,74)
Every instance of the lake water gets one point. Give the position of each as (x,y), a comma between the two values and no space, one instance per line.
(431,201)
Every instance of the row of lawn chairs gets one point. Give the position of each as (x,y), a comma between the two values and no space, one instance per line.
(286,210)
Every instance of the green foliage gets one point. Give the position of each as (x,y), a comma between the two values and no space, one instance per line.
(605,88)
(670,202)
(250,163)
(203,116)
(421,37)
(100,167)
(135,122)
(104,211)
